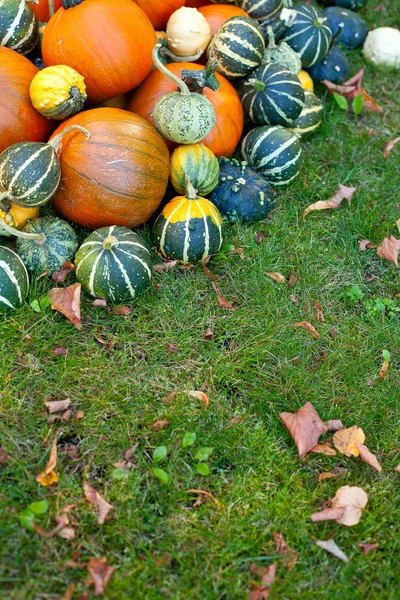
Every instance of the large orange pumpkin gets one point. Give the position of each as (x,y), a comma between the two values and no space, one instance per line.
(225,135)
(19,121)
(197,3)
(159,11)
(44,9)
(217,14)
(109,42)
(116,177)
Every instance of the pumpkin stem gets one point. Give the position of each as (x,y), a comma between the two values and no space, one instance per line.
(258,85)
(271,37)
(198,80)
(109,242)
(319,21)
(56,141)
(40,238)
(191,192)
(181,84)
(5,196)
(167,52)
(70,3)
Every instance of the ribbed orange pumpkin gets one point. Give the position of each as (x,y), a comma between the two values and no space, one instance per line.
(159,11)
(224,137)
(197,3)
(116,177)
(19,121)
(45,9)
(217,14)
(109,42)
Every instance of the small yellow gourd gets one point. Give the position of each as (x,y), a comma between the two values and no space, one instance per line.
(306,81)
(188,31)
(17,216)
(58,92)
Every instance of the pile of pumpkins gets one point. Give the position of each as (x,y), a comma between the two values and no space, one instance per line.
(108,105)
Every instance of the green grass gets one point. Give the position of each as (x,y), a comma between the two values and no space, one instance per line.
(255,366)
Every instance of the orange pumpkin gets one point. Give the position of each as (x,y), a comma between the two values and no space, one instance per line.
(159,11)
(116,177)
(109,42)
(217,14)
(44,9)
(19,121)
(224,137)
(197,3)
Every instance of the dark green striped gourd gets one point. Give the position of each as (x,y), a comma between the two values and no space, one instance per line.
(238,46)
(189,228)
(262,9)
(30,171)
(348,28)
(46,243)
(113,263)
(18,26)
(335,67)
(14,281)
(273,151)
(310,117)
(309,35)
(273,95)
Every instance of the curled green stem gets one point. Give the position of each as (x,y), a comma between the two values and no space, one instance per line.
(56,141)
(191,192)
(181,84)
(39,238)
(167,52)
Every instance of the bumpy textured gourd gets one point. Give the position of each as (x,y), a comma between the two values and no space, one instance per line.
(58,92)
(272,95)
(382,47)
(46,243)
(281,53)
(187,31)
(242,194)
(18,26)
(113,263)
(348,28)
(335,67)
(310,117)
(182,117)
(14,280)
(189,228)
(309,35)
(197,162)
(30,171)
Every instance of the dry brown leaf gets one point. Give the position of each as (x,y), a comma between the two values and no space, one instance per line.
(63,520)
(79,415)
(328,514)
(342,193)
(165,266)
(276,276)
(208,335)
(293,298)
(365,245)
(101,302)
(331,547)
(125,311)
(384,369)
(347,506)
(304,426)
(57,405)
(4,456)
(259,237)
(208,273)
(368,457)
(389,147)
(284,550)
(236,420)
(366,548)
(99,574)
(267,574)
(131,451)
(171,347)
(397,468)
(293,280)
(60,351)
(49,476)
(389,248)
(95,498)
(62,274)
(199,396)
(324,449)
(310,328)
(170,398)
(334,425)
(320,314)
(158,425)
(67,302)
(352,88)
(329,475)
(345,440)
(204,493)
(68,593)
(221,300)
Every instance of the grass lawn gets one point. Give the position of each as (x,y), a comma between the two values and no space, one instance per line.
(254,367)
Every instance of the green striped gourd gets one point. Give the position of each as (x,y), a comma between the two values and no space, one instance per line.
(182,117)
(310,117)
(262,9)
(46,243)
(197,162)
(30,171)
(273,151)
(189,228)
(309,35)
(14,281)
(238,46)
(281,53)
(18,26)
(272,95)
(113,263)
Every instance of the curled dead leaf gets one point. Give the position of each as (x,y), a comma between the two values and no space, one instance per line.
(347,506)
(67,302)
(158,425)
(389,248)
(95,498)
(331,547)
(305,427)
(79,415)
(310,328)
(170,398)
(324,449)
(342,193)
(293,280)
(320,314)
(276,276)
(57,405)
(267,574)
(384,369)
(99,574)
(208,335)
(165,266)
(125,311)
(49,476)
(4,456)
(62,274)
(365,245)
(345,440)
(329,475)
(284,550)
(389,146)
(60,351)
(221,300)
(366,548)
(334,425)
(204,493)
(367,456)
(199,396)
(100,302)
(171,347)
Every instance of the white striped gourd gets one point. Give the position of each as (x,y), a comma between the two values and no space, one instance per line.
(238,46)
(309,35)
(273,95)
(275,152)
(262,9)
(30,171)
(189,228)
(18,26)
(310,117)
(14,281)
(113,263)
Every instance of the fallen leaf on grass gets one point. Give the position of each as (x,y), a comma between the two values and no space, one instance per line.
(67,302)
(62,274)
(342,193)
(165,266)
(293,298)
(79,415)
(397,468)
(331,547)
(221,300)
(259,237)
(345,440)
(208,335)
(204,493)
(267,574)
(347,506)
(365,245)
(366,548)
(276,276)
(304,426)
(384,369)
(200,396)
(158,425)
(171,347)
(99,574)
(334,425)
(63,520)
(101,302)
(170,398)
(4,456)
(368,457)
(352,88)
(320,314)
(236,420)
(60,351)
(131,451)
(329,475)
(125,311)
(389,147)
(49,476)
(293,280)
(284,550)
(68,593)
(310,328)
(389,248)
(208,273)
(95,498)
(57,405)
(324,449)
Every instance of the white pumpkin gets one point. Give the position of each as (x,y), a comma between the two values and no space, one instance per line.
(187,32)
(382,47)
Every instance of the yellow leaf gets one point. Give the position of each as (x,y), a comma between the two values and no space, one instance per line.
(324,449)
(47,478)
(200,396)
(276,276)
(345,440)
